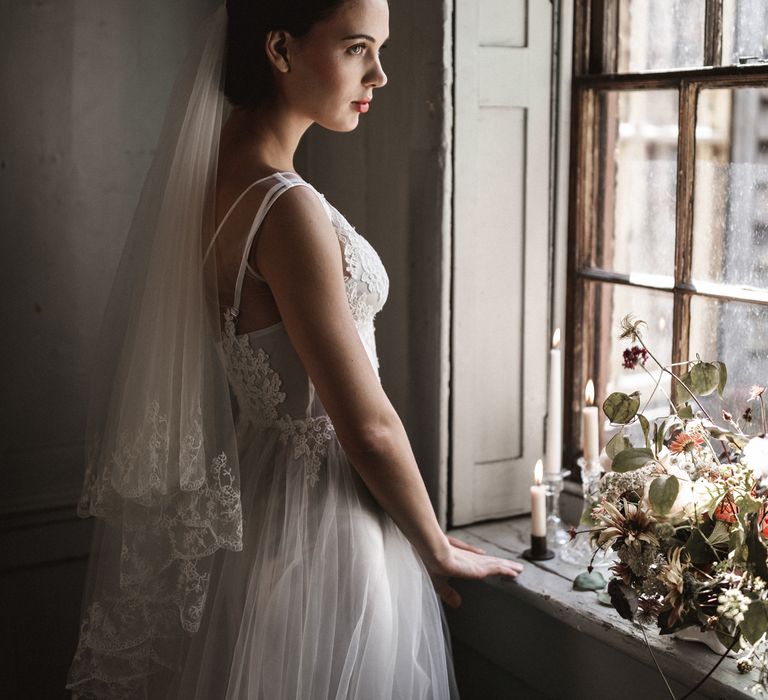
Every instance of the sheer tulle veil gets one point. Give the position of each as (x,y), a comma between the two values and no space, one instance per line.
(162,474)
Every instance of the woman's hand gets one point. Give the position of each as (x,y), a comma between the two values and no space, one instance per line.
(466,561)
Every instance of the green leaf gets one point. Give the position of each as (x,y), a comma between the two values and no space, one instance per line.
(621,408)
(632,458)
(663,492)
(755,622)
(720,534)
(723,378)
(705,378)
(684,393)
(589,582)
(616,444)
(646,426)
(757,554)
(699,549)
(685,412)
(604,598)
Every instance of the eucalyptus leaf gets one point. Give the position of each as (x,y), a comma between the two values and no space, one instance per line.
(720,534)
(646,426)
(632,458)
(685,412)
(723,378)
(589,582)
(705,378)
(621,408)
(685,379)
(616,444)
(755,622)
(662,493)
(604,598)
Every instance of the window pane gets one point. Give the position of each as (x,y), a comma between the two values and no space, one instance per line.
(745,31)
(735,333)
(660,34)
(636,183)
(610,303)
(730,243)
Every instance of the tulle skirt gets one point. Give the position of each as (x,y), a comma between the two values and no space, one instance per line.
(327,600)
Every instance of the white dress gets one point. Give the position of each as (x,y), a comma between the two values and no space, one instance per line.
(328,599)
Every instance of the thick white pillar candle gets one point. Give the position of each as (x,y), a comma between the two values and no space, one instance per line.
(538,503)
(590,425)
(554,448)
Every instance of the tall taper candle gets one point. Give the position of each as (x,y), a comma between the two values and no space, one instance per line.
(590,425)
(538,503)
(554,449)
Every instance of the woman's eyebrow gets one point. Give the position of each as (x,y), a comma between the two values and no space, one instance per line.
(362,36)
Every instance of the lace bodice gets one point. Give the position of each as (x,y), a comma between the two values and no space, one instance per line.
(267,377)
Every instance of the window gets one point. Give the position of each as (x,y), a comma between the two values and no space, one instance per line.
(669,192)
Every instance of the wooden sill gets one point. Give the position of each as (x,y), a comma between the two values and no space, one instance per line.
(542,595)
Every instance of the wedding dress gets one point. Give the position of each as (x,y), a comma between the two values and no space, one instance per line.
(327,599)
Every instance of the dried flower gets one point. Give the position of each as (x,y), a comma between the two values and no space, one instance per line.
(630,328)
(671,575)
(634,524)
(634,356)
(727,416)
(747,415)
(744,665)
(686,442)
(755,392)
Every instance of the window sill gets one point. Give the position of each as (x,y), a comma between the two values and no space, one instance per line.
(564,643)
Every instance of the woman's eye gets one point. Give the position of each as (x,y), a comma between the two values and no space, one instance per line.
(357,49)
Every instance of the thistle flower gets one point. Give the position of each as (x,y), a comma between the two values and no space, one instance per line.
(755,392)
(630,328)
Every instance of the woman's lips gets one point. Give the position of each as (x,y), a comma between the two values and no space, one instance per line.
(362,106)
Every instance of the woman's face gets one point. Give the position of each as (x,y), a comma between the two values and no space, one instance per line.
(335,67)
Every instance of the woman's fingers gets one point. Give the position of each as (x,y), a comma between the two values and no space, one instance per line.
(448,593)
(463,545)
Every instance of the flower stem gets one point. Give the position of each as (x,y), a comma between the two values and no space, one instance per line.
(656,663)
(712,670)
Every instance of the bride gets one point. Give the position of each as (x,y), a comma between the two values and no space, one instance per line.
(265,531)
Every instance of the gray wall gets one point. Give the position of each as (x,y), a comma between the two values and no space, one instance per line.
(83,89)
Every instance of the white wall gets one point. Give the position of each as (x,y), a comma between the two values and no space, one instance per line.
(83,86)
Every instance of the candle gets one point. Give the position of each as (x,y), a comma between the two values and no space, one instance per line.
(554,448)
(590,425)
(538,503)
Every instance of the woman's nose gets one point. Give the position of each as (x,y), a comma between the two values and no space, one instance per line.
(377,77)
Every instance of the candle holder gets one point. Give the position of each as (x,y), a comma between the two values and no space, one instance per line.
(538,550)
(556,533)
(579,551)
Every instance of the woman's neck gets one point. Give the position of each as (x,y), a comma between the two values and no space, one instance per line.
(267,137)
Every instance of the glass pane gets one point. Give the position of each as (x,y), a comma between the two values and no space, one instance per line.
(730,224)
(610,303)
(636,184)
(735,333)
(745,31)
(660,34)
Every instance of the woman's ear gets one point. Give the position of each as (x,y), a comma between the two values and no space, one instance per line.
(277,50)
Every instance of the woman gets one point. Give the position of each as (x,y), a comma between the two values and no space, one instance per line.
(313,573)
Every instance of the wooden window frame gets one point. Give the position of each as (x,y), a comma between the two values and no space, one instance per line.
(594,70)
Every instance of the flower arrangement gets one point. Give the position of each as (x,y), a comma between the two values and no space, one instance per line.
(686,511)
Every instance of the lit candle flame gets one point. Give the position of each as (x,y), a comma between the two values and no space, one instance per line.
(589,393)
(538,472)
(556,338)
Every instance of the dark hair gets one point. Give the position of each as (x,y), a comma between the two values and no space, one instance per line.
(248,77)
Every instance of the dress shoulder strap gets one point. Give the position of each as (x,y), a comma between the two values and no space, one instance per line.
(285,182)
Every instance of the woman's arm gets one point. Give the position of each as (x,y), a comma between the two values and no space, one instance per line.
(298,254)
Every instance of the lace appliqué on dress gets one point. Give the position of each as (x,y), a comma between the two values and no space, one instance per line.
(257,385)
